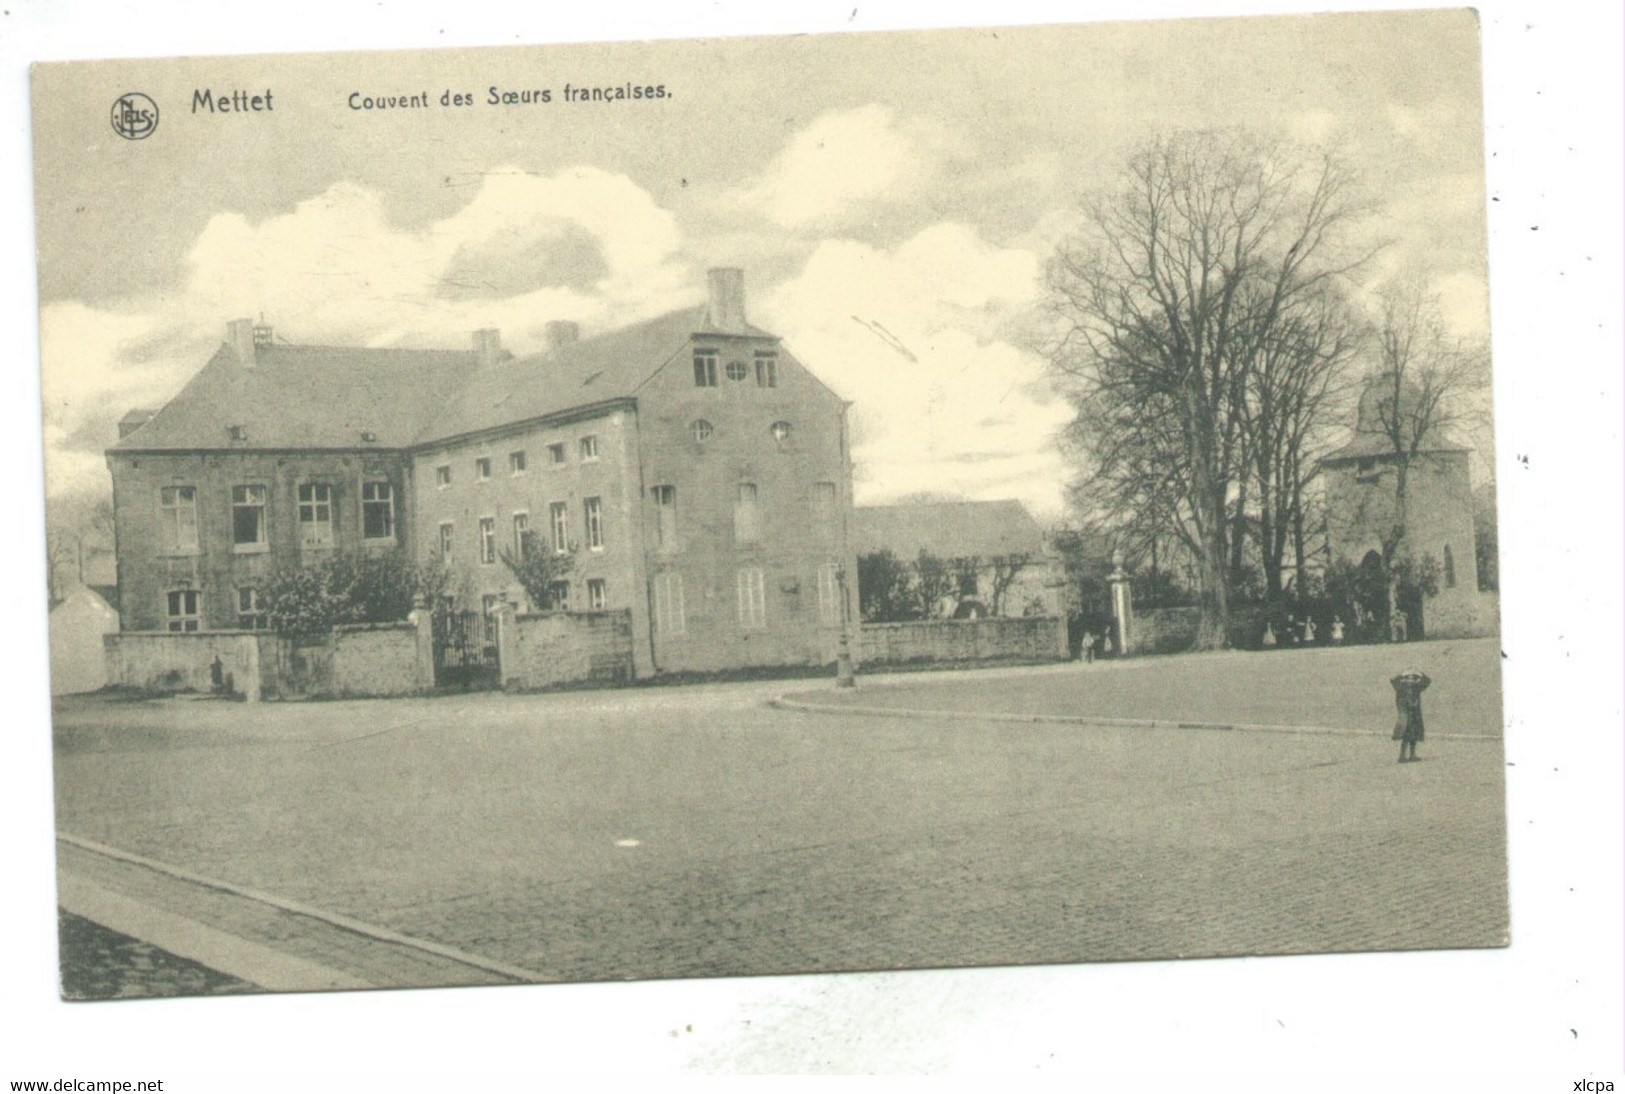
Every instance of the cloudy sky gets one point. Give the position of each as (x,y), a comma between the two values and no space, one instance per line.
(892,198)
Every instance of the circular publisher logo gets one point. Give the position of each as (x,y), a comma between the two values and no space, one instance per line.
(134,116)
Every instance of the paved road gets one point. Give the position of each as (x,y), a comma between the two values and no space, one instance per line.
(695,831)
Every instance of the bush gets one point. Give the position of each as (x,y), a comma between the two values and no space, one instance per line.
(345,589)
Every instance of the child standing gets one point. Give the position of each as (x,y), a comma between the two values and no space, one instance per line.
(1408,688)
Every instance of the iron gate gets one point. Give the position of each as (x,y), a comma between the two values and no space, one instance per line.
(465,650)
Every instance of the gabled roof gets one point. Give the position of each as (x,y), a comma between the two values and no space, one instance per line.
(952,529)
(307,397)
(335,397)
(594,370)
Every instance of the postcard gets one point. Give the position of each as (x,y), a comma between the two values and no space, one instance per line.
(759,506)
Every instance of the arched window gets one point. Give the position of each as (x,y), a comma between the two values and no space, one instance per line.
(1449,568)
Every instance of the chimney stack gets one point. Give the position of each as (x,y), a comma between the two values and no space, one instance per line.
(241,338)
(488,346)
(726,311)
(561,333)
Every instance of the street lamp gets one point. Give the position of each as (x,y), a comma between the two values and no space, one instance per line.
(843,658)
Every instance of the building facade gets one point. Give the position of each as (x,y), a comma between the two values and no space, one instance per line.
(693,470)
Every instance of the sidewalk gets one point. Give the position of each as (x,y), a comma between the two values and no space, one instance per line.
(254,939)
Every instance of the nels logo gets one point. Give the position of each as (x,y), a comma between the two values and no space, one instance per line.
(134,116)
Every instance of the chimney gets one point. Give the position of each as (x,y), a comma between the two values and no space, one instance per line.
(561,333)
(726,311)
(488,345)
(241,338)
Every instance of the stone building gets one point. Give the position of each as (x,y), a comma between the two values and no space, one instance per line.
(987,543)
(1361,498)
(696,472)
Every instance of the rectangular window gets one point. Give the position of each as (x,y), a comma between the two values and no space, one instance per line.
(767,369)
(247,516)
(665,517)
(250,612)
(183,610)
(829,593)
(558,517)
(670,619)
(315,515)
(482,469)
(597,594)
(377,510)
(705,368)
(558,596)
(826,517)
(516,463)
(521,534)
(178,517)
(488,540)
(752,599)
(556,454)
(442,476)
(594,509)
(447,540)
(747,528)
(589,448)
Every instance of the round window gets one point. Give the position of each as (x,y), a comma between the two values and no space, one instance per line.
(699,429)
(736,370)
(781,431)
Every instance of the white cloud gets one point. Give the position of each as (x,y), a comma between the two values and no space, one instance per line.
(842,164)
(918,336)
(334,269)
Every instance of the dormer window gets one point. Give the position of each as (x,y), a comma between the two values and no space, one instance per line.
(237,432)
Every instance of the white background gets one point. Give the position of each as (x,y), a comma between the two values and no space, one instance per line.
(1537,1016)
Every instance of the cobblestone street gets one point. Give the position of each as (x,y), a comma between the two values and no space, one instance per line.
(697,831)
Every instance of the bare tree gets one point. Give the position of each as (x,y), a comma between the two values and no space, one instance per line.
(1425,390)
(1165,301)
(1302,368)
(1006,568)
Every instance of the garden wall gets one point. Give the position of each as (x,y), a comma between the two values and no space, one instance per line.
(175,661)
(553,649)
(351,661)
(1024,638)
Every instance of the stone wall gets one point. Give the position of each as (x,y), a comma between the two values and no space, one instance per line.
(1030,638)
(554,649)
(349,662)
(378,660)
(172,661)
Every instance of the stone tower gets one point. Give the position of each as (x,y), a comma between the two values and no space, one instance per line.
(1361,495)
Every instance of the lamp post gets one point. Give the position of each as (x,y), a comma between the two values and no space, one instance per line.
(843,658)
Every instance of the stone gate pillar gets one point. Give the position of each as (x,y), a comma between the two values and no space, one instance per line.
(1122,605)
(423,619)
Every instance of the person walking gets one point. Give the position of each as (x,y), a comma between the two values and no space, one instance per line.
(1408,688)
